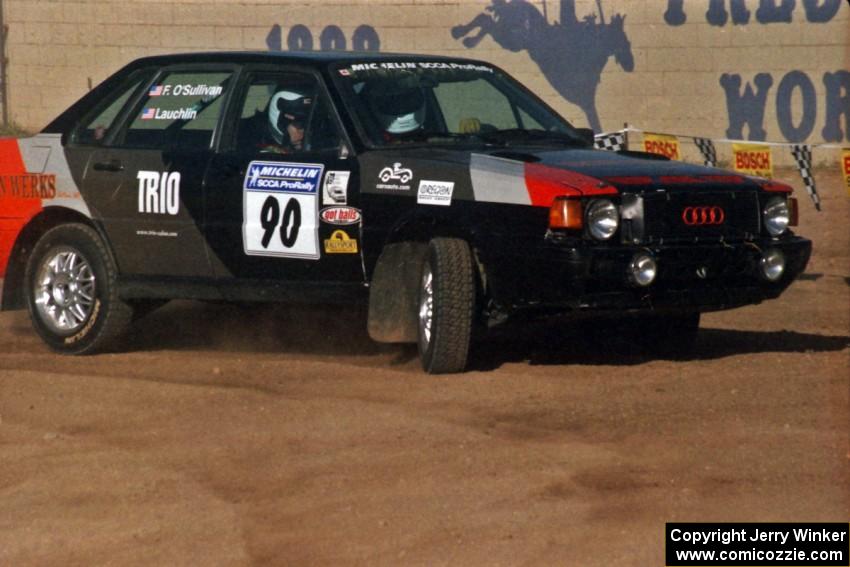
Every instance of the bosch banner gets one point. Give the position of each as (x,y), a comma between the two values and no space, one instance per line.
(662,144)
(753,159)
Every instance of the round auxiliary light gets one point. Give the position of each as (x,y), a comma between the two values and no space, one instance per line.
(776,216)
(772,265)
(602,219)
(642,269)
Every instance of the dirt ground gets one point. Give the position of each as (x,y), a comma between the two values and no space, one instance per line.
(285,436)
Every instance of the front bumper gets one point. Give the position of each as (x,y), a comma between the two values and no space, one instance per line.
(691,276)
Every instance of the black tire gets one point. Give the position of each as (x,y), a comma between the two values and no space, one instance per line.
(449,271)
(97,316)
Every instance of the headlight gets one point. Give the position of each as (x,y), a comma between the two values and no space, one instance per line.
(776,216)
(602,219)
(772,265)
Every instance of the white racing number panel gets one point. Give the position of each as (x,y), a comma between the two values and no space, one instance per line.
(280,209)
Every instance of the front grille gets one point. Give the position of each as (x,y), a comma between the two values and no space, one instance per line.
(663,215)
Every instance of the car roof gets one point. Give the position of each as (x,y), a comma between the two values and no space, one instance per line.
(318,58)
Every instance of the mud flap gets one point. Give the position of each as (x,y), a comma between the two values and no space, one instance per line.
(394,292)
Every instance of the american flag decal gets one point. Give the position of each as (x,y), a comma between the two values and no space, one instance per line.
(148,113)
(155,91)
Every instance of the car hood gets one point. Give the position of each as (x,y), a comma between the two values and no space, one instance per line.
(630,171)
(536,176)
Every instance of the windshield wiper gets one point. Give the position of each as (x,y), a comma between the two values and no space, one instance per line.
(533,135)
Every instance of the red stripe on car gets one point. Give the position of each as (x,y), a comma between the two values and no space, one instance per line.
(544,183)
(16,209)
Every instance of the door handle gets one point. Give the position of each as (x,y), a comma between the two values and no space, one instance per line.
(111,165)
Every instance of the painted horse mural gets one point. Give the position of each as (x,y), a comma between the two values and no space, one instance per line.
(571,53)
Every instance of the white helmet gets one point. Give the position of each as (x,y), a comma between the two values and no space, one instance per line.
(285,107)
(398,105)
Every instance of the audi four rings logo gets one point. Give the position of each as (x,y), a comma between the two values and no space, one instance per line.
(703,216)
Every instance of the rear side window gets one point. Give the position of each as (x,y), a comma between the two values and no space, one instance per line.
(98,123)
(181,109)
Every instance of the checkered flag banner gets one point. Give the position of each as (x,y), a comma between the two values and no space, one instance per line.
(803,155)
(706,148)
(613,142)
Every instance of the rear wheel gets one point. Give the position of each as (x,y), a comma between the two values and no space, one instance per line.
(71,292)
(446,306)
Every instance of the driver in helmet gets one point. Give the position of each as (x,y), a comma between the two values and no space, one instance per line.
(398,105)
(282,128)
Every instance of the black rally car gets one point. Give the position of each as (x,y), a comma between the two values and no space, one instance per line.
(439,190)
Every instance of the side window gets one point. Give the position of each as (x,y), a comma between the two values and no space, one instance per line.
(181,109)
(475,102)
(94,128)
(285,114)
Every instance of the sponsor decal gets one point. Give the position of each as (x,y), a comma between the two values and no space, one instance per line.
(281,209)
(435,192)
(662,144)
(703,216)
(345,72)
(845,167)
(159,192)
(398,174)
(178,114)
(340,243)
(163,233)
(340,215)
(275,176)
(28,186)
(402,65)
(335,189)
(753,159)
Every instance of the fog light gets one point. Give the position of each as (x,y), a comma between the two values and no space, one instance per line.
(642,269)
(772,265)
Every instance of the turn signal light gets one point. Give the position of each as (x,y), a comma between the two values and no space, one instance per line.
(793,214)
(566,213)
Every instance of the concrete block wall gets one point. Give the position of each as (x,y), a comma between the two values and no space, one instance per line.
(681,52)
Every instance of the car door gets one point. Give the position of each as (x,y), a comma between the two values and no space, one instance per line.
(146,181)
(282,205)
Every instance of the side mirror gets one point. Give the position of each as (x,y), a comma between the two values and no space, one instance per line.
(586,135)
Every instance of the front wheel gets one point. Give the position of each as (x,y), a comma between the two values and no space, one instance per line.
(71,293)
(446,306)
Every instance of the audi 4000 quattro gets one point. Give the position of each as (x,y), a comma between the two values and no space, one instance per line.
(440,191)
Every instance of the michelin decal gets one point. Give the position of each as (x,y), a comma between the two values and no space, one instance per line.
(281,210)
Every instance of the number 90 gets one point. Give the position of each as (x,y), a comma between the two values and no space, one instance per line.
(270,217)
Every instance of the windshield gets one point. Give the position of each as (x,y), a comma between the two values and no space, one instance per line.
(395,103)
